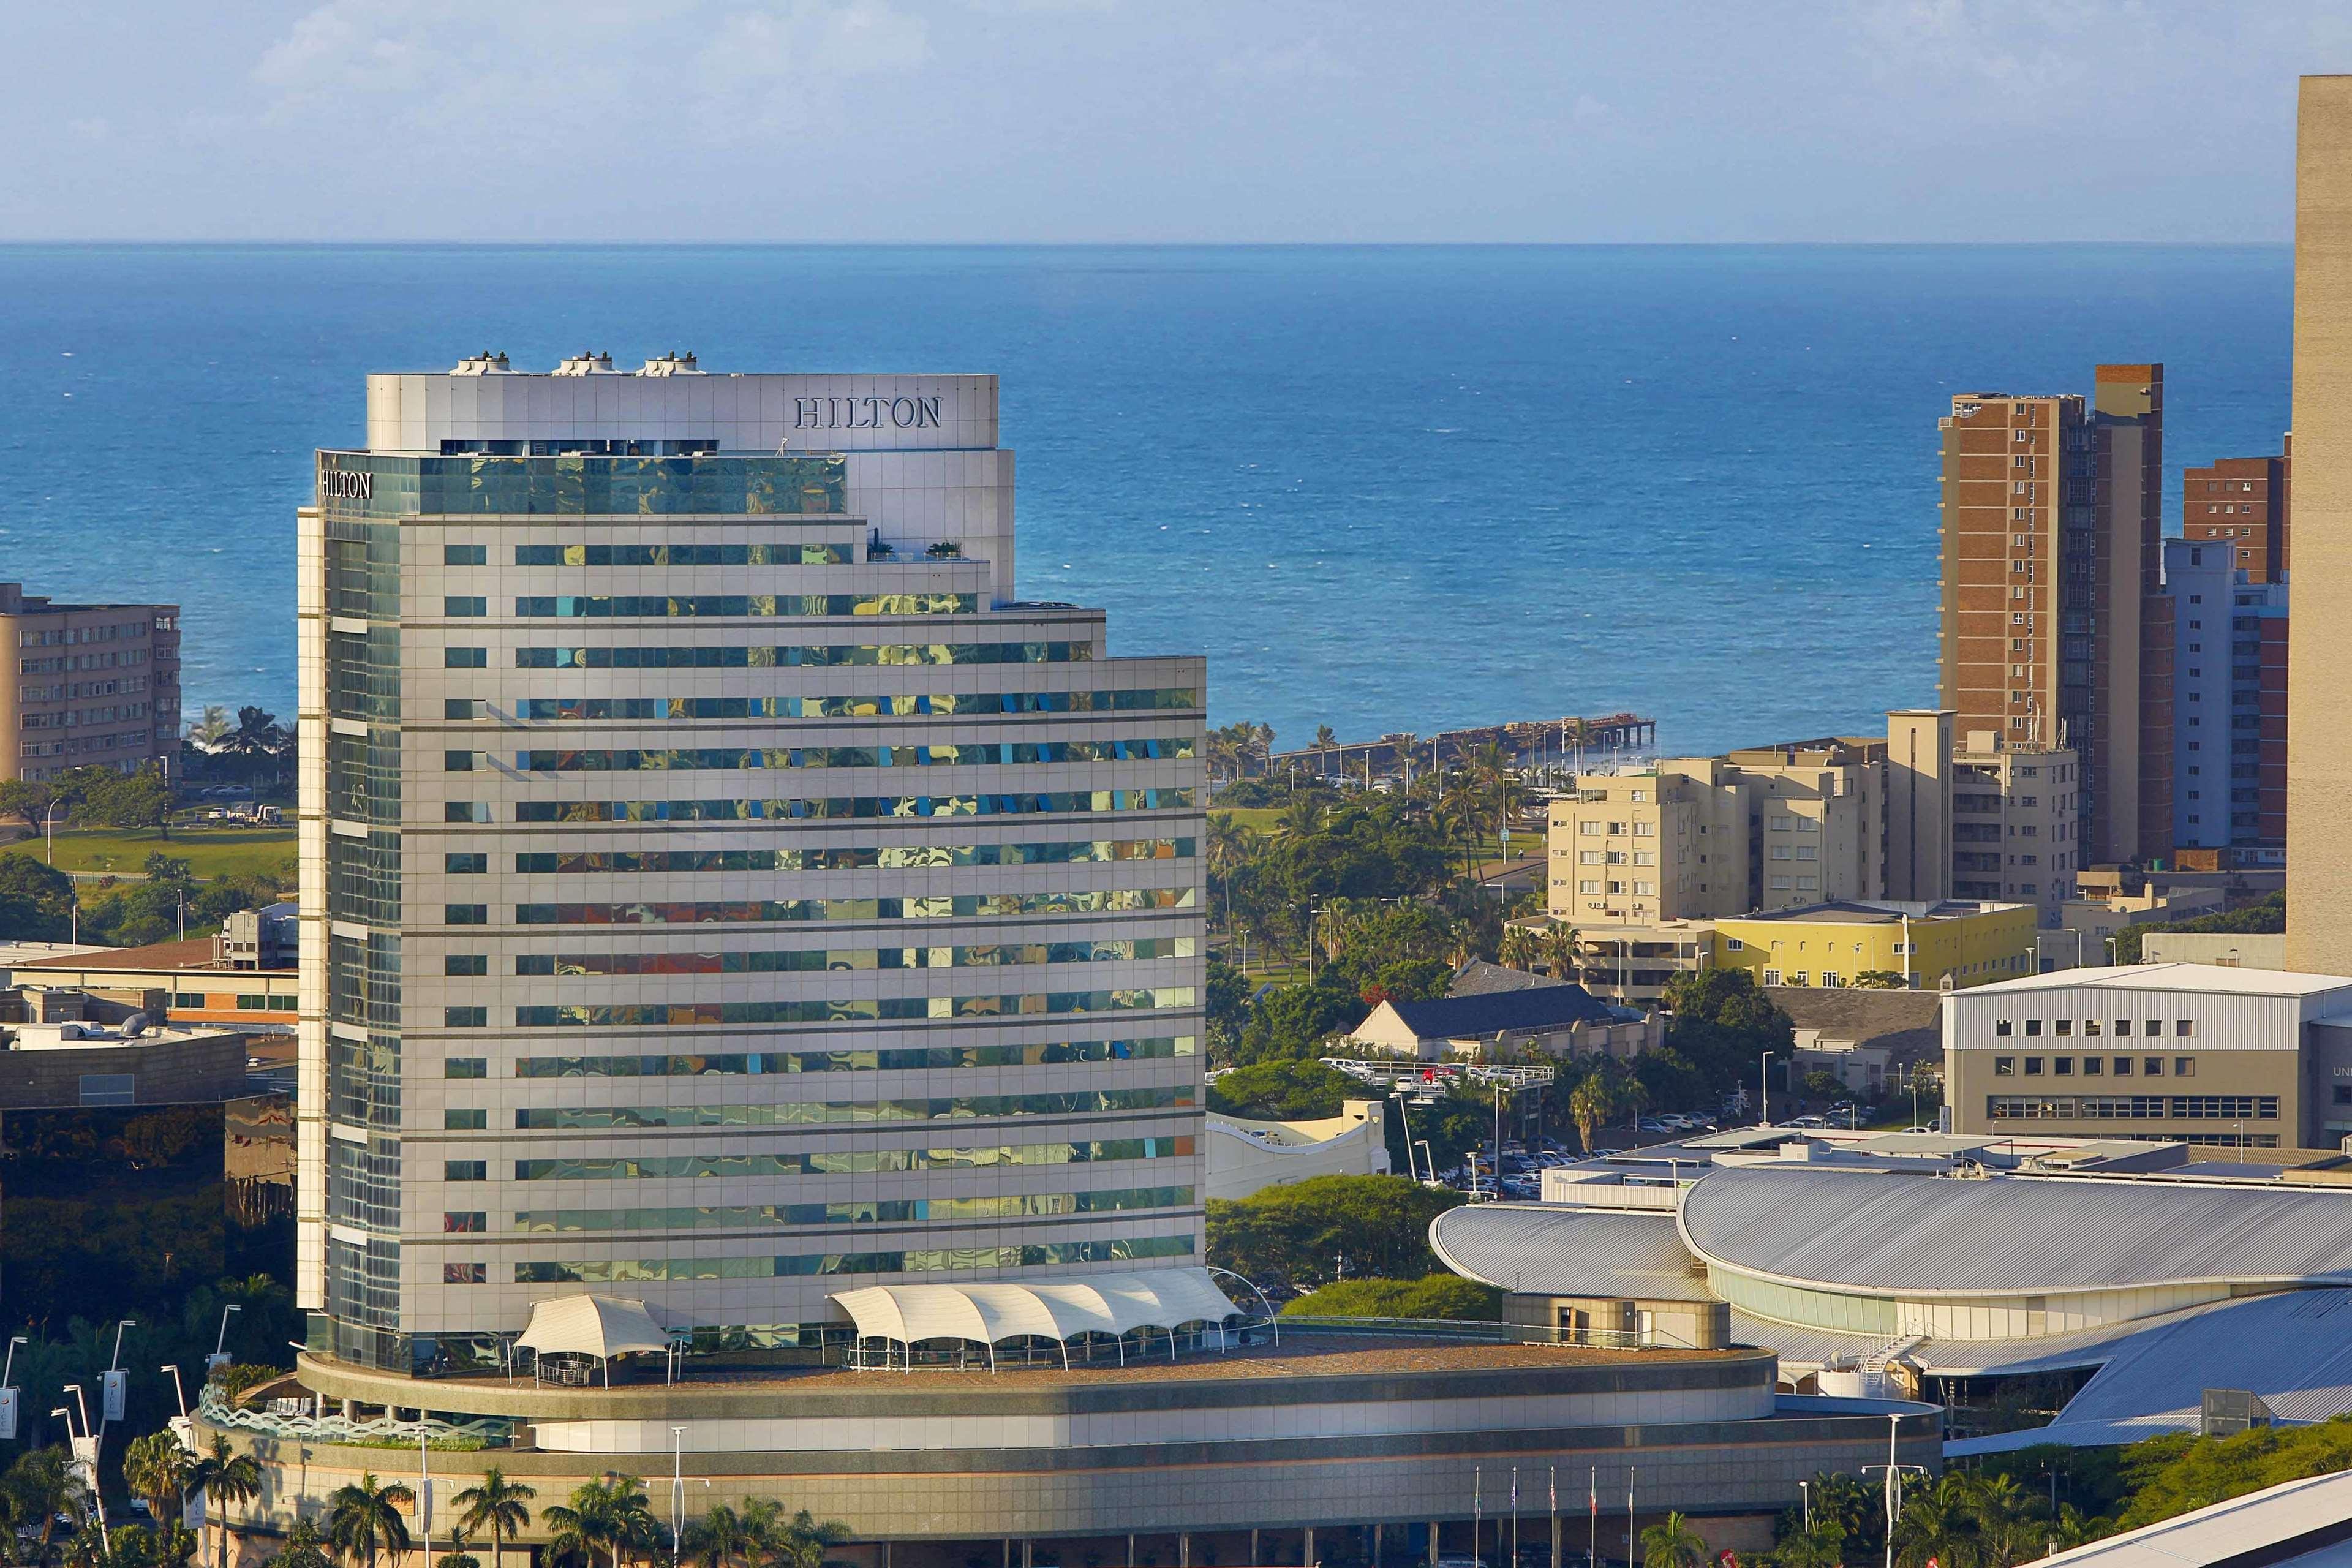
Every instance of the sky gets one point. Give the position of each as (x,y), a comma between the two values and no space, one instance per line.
(1157,121)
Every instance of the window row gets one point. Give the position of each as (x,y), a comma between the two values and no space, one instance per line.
(2133,1108)
(844,1162)
(849,1112)
(989,955)
(936,704)
(843,807)
(903,1058)
(762,911)
(846,1010)
(2094,1066)
(682,607)
(983,754)
(937,1261)
(856,1211)
(844,858)
(2094,1028)
(817,655)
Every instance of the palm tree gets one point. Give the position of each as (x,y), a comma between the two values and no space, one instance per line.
(801,1541)
(42,1484)
(1522,948)
(1590,1105)
(1941,1525)
(1325,739)
(226,1478)
(1561,951)
(1673,1544)
(609,1515)
(1302,818)
(499,1506)
(364,1519)
(719,1538)
(156,1468)
(2007,1518)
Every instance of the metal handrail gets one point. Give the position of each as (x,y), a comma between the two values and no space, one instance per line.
(214,1408)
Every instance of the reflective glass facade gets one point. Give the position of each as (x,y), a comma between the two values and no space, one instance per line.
(1013,949)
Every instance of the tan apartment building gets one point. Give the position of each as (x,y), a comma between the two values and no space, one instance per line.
(2015,823)
(1641,864)
(2056,631)
(89,685)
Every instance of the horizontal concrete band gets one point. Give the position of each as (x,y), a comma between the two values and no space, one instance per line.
(1613,1440)
(1721,1467)
(917,1394)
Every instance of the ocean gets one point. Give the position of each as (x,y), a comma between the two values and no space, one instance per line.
(1381,487)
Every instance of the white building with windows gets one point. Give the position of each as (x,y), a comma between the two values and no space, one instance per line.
(718,888)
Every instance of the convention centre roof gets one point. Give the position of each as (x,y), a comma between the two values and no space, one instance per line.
(1926,1235)
(1546,1250)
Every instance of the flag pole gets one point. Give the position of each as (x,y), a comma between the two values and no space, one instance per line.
(1555,1517)
(1629,1514)
(1477,1510)
(1592,1541)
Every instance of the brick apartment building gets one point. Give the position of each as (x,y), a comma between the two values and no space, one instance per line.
(90,684)
(2056,632)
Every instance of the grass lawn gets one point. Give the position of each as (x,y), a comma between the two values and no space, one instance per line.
(209,851)
(1251,819)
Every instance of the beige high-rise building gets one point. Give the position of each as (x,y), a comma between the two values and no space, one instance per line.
(2318,734)
(2015,823)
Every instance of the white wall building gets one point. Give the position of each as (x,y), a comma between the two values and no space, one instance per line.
(716,887)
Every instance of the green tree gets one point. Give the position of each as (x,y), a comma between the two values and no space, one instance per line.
(43,1486)
(156,1468)
(1522,949)
(608,1515)
(142,799)
(1296,1235)
(1941,1523)
(1673,1543)
(1880,979)
(1294,1021)
(719,1538)
(226,1476)
(2266,916)
(36,901)
(802,1541)
(364,1519)
(1722,1022)
(1284,1091)
(212,729)
(1594,1103)
(499,1507)
(1434,1296)
(24,800)
(302,1547)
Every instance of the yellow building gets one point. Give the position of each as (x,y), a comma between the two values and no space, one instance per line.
(1827,944)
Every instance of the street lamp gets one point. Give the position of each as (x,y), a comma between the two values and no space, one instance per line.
(220,1358)
(1764,1086)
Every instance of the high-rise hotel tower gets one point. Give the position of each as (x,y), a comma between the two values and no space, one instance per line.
(718,889)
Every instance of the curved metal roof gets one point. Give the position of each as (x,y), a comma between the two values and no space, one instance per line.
(1922,1236)
(1545,1249)
(989,1313)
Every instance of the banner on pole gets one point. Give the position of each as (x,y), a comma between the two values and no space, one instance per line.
(7,1413)
(112,1389)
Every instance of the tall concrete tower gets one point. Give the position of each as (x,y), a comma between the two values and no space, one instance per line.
(2318,731)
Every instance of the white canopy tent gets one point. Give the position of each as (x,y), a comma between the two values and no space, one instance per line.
(989,1313)
(598,1326)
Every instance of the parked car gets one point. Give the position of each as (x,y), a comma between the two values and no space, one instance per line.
(1808,1121)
